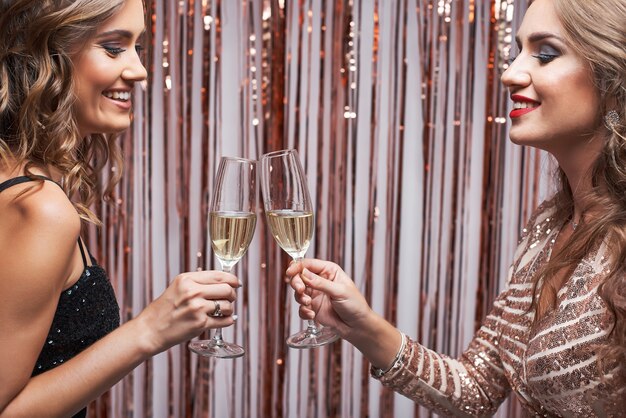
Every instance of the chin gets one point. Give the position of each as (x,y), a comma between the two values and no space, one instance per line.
(109,131)
(516,139)
(119,130)
(115,127)
(105,123)
(528,137)
(534,142)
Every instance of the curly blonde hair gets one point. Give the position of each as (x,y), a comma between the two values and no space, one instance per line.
(596,30)
(37,122)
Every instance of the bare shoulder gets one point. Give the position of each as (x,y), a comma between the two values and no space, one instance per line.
(37,201)
(39,228)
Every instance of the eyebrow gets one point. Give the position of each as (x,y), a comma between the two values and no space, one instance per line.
(540,36)
(119,32)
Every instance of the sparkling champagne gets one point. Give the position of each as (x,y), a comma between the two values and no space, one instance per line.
(231,234)
(292,230)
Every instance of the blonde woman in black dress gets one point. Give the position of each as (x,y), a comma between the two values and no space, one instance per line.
(67,72)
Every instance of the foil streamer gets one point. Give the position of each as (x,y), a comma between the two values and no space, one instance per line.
(399,115)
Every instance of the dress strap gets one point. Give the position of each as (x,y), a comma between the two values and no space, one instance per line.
(22,179)
(82,252)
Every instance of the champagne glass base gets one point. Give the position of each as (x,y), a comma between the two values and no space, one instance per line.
(213,348)
(308,339)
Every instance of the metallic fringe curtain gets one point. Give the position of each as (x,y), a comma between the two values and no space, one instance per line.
(398,113)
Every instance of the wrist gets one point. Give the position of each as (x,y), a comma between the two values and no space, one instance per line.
(378,372)
(362,330)
(378,340)
(147,342)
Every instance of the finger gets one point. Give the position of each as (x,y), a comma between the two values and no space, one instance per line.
(302,299)
(316,265)
(297,284)
(212,277)
(217,291)
(306,313)
(219,308)
(220,322)
(316,282)
(192,291)
(294,268)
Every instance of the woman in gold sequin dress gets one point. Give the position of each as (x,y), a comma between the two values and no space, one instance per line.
(556,335)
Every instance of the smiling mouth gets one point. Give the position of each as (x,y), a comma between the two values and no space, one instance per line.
(524,105)
(120,96)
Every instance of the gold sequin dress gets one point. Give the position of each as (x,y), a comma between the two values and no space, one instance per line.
(552,368)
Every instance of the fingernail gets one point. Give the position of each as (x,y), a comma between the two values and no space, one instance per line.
(240,283)
(235,317)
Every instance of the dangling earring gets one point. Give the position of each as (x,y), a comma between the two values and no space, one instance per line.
(611,120)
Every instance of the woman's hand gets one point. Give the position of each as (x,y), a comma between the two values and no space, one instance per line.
(188,307)
(326,293)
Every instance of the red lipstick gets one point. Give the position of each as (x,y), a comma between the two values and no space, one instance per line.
(516,113)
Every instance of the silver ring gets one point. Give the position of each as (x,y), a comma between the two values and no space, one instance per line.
(217,312)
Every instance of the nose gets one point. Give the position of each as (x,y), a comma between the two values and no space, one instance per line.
(516,75)
(134,71)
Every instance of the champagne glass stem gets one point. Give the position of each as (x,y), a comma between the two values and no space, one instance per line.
(217,337)
(314,335)
(216,346)
(311,327)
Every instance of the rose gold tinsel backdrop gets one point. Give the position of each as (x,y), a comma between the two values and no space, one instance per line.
(398,113)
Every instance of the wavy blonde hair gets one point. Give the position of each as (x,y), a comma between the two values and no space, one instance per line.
(37,123)
(597,31)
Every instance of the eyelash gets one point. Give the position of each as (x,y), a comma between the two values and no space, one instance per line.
(545,58)
(112,50)
(115,51)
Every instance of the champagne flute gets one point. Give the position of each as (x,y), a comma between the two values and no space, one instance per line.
(232,220)
(289,213)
